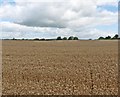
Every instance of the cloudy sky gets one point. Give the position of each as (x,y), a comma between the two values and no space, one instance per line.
(51,18)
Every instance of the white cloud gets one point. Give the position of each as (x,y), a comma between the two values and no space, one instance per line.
(10,30)
(59,17)
(107,2)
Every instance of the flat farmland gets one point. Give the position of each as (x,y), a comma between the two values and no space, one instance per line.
(59,67)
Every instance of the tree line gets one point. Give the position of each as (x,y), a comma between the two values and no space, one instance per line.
(116,36)
(69,38)
(109,37)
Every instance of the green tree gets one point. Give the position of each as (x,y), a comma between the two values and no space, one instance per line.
(100,38)
(108,37)
(59,38)
(76,38)
(14,39)
(65,38)
(71,38)
(116,36)
(90,39)
(43,39)
(36,39)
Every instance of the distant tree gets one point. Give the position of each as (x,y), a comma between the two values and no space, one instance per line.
(65,38)
(14,39)
(42,39)
(36,39)
(90,39)
(116,36)
(108,37)
(100,38)
(59,38)
(75,38)
(71,38)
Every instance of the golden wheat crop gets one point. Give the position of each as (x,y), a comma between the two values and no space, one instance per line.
(60,67)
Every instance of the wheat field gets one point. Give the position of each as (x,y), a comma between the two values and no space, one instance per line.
(59,67)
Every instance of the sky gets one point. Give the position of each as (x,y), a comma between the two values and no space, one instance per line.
(86,19)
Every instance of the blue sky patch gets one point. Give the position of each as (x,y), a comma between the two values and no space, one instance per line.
(113,28)
(2,2)
(109,8)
